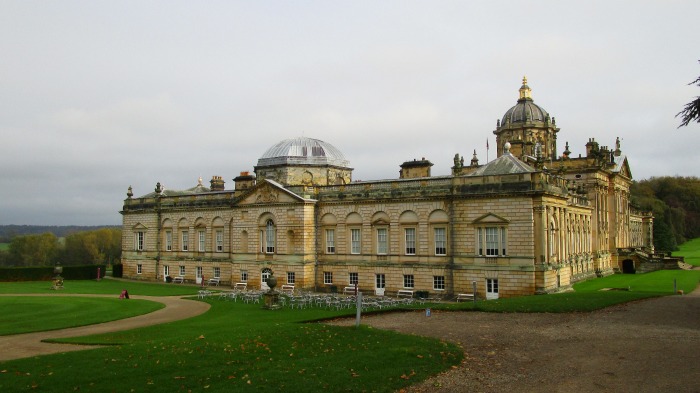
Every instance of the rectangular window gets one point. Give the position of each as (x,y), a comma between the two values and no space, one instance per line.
(185,240)
(355,241)
(199,272)
(270,238)
(139,268)
(168,240)
(166,270)
(410,241)
(330,241)
(382,241)
(354,279)
(217,272)
(291,278)
(244,276)
(328,277)
(440,241)
(491,241)
(380,280)
(438,283)
(219,240)
(138,240)
(408,280)
(182,271)
(202,241)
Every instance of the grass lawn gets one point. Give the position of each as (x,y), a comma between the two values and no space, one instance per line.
(238,347)
(24,314)
(589,295)
(691,251)
(4,246)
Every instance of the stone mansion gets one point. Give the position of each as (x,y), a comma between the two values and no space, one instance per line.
(533,220)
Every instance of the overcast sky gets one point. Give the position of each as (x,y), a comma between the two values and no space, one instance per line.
(96,96)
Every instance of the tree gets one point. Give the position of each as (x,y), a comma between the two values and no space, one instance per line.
(691,111)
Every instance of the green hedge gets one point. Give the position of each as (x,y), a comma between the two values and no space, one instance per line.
(45,273)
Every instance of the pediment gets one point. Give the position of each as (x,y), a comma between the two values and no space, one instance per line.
(139,227)
(490,218)
(268,192)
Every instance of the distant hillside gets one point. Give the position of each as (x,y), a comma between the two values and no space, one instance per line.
(7,232)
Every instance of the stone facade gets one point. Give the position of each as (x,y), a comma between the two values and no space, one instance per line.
(527,222)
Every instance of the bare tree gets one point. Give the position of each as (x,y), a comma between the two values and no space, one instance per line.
(691,111)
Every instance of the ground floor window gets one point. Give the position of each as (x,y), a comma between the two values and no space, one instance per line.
(244,276)
(380,280)
(408,281)
(354,279)
(328,277)
(139,268)
(217,272)
(182,271)
(438,283)
(291,278)
(166,270)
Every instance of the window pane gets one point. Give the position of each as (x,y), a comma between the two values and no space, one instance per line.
(219,240)
(408,280)
(440,241)
(381,241)
(439,282)
(491,241)
(185,240)
(410,241)
(168,241)
(355,241)
(270,233)
(202,237)
(354,279)
(330,241)
(380,281)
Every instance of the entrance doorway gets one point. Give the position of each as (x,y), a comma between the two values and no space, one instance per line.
(266,273)
(628,266)
(491,288)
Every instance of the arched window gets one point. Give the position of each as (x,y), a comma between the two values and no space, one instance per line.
(270,237)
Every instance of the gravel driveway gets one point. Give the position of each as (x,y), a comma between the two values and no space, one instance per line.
(645,346)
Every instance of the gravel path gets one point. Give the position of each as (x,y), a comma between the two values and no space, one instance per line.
(30,344)
(645,346)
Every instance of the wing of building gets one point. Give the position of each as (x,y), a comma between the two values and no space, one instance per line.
(530,221)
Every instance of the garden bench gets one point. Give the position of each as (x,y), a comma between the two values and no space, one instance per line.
(241,286)
(287,288)
(213,281)
(406,293)
(349,291)
(179,280)
(465,296)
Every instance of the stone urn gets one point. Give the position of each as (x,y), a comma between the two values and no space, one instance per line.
(272,283)
(271,297)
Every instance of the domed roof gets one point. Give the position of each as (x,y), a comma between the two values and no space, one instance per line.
(525,110)
(303,151)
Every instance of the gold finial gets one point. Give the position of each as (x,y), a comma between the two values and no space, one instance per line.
(200,181)
(525,92)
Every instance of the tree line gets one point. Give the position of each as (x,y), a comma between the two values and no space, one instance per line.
(78,248)
(675,202)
